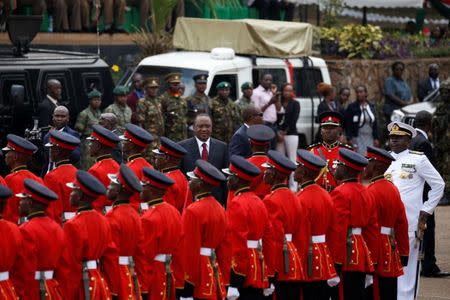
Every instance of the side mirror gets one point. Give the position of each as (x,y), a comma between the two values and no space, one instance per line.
(17,95)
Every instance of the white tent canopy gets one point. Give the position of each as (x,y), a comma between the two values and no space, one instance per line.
(370,3)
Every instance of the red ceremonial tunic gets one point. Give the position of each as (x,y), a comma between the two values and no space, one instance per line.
(178,194)
(14,181)
(137,163)
(260,188)
(391,214)
(326,179)
(10,245)
(42,248)
(88,238)
(317,209)
(101,169)
(248,221)
(126,232)
(285,215)
(352,209)
(2,181)
(205,226)
(56,180)
(162,229)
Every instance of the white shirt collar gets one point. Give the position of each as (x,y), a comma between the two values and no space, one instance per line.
(200,144)
(52,99)
(422,132)
(395,155)
(246,125)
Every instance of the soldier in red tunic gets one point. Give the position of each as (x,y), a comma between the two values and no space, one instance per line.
(103,143)
(317,209)
(135,141)
(249,228)
(89,245)
(260,137)
(10,244)
(42,245)
(162,231)
(285,215)
(393,244)
(205,226)
(328,149)
(352,217)
(168,159)
(61,146)
(19,152)
(126,231)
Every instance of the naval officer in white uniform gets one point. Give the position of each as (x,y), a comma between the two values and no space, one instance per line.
(409,172)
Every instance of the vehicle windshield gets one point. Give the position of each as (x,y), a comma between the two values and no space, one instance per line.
(161,72)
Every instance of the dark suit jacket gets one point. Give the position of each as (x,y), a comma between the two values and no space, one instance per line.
(239,144)
(45,112)
(217,156)
(74,158)
(422,144)
(424,88)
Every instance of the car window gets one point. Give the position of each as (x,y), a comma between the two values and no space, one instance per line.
(278,76)
(64,76)
(306,81)
(231,79)
(7,81)
(91,81)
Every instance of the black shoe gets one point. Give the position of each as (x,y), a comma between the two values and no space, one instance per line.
(438,274)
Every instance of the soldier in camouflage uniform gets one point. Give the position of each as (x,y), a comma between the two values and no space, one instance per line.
(120,108)
(85,120)
(245,100)
(197,103)
(224,113)
(148,112)
(174,109)
(441,135)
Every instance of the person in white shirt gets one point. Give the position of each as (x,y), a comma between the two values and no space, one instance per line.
(409,172)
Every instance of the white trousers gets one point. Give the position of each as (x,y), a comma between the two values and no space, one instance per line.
(289,148)
(407,282)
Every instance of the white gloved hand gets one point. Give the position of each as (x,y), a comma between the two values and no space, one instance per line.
(369,281)
(333,281)
(269,291)
(232,293)
(187,298)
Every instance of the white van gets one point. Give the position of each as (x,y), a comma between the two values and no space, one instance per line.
(222,64)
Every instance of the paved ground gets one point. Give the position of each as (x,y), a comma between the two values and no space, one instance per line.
(437,288)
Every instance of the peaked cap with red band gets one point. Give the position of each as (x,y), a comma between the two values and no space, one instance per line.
(260,134)
(379,154)
(137,135)
(126,178)
(37,192)
(88,184)
(171,148)
(242,168)
(104,136)
(156,179)
(62,140)
(207,173)
(280,162)
(310,160)
(19,144)
(352,159)
(332,118)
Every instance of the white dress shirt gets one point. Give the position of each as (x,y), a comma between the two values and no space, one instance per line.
(53,100)
(261,97)
(200,145)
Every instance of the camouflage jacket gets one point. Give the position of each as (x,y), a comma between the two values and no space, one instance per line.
(226,119)
(86,119)
(149,116)
(123,114)
(174,110)
(197,105)
(243,103)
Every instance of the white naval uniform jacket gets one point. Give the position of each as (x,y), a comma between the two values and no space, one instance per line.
(409,172)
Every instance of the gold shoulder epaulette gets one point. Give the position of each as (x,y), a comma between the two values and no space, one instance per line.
(345,145)
(312,146)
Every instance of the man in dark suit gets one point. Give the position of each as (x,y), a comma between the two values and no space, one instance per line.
(422,144)
(60,120)
(202,146)
(49,103)
(426,86)
(239,144)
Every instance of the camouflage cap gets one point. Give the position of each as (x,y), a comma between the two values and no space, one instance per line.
(94,94)
(173,78)
(120,90)
(246,86)
(445,84)
(223,85)
(151,82)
